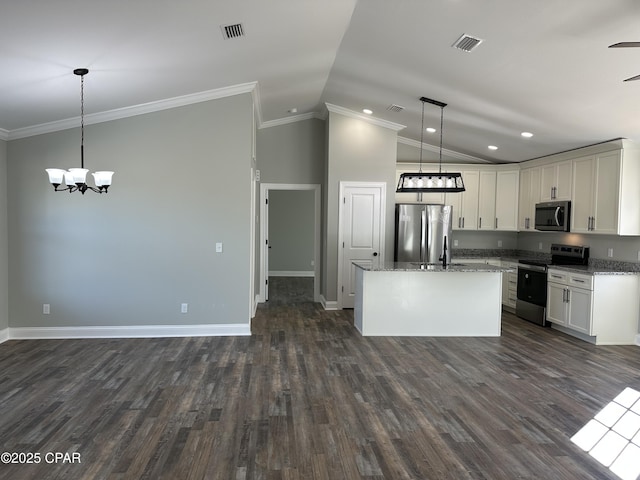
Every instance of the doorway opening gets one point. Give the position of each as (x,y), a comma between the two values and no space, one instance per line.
(290,242)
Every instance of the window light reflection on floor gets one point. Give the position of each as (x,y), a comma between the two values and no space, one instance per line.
(613,436)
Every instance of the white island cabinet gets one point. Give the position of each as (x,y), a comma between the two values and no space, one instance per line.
(412,299)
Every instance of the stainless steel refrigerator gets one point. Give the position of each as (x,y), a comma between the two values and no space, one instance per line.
(423,233)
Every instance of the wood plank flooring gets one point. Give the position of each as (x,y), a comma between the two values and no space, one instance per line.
(306,397)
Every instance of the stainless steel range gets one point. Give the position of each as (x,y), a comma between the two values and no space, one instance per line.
(531,303)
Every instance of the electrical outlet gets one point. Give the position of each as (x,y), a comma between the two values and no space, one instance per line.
(499,243)
(455,244)
(219,247)
(46,308)
(540,246)
(610,252)
(184,308)
(639,255)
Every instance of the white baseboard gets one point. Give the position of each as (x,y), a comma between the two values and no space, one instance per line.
(637,342)
(290,273)
(136,331)
(4,335)
(333,305)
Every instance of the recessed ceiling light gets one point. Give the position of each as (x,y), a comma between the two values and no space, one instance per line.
(492,147)
(527,134)
(430,130)
(367,111)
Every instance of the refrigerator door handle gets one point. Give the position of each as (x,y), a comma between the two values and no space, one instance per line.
(423,234)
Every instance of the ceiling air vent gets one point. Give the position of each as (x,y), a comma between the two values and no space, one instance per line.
(467,43)
(395,108)
(232,31)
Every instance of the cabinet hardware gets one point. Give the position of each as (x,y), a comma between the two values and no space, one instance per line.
(480,222)
(496,223)
(578,280)
(459,222)
(462,222)
(568,295)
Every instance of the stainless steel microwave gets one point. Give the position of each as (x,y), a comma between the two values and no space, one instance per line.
(553,216)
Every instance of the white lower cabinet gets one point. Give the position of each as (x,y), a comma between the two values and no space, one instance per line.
(509,286)
(602,309)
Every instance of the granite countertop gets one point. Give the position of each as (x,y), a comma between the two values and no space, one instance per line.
(595,269)
(430,267)
(597,266)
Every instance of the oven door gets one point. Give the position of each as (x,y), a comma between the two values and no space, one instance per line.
(532,284)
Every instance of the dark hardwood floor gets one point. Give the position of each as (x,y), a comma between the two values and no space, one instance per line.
(307,397)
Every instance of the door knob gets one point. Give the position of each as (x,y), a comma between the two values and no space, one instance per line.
(375,254)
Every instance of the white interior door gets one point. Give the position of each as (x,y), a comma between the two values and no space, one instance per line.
(362,228)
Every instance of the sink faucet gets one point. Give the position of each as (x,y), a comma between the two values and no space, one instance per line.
(444,253)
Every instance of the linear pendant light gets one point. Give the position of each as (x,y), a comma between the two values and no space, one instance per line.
(76,178)
(448,182)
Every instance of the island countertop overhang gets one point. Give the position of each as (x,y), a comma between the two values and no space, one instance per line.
(430,267)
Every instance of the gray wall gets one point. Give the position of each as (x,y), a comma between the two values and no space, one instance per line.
(356,151)
(292,153)
(291,216)
(131,257)
(4,269)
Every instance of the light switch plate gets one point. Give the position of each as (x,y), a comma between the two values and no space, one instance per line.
(219,247)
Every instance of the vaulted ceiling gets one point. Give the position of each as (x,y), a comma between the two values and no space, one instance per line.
(543,66)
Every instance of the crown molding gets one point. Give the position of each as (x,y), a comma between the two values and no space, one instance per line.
(292,119)
(449,153)
(132,111)
(367,118)
(4,134)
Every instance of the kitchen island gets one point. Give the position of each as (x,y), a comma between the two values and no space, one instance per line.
(413,299)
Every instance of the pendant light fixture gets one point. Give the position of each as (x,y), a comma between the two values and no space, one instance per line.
(431,182)
(75,179)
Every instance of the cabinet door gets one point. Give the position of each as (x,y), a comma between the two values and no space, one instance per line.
(606,193)
(548,175)
(564,175)
(579,315)
(465,204)
(507,200)
(529,196)
(487,201)
(556,305)
(581,206)
(555,181)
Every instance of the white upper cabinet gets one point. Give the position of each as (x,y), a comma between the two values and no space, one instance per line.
(487,201)
(555,183)
(606,198)
(528,197)
(465,204)
(507,189)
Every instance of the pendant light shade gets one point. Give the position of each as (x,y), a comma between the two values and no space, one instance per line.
(75,179)
(439,182)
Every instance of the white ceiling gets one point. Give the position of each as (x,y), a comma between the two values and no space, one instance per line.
(543,66)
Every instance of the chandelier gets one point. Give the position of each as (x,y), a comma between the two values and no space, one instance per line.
(431,182)
(75,179)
